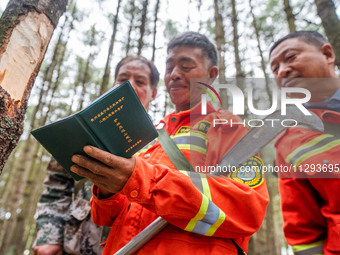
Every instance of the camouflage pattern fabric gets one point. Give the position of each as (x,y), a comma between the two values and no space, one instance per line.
(64,217)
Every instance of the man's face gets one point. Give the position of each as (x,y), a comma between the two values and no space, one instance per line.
(294,60)
(138,74)
(184,63)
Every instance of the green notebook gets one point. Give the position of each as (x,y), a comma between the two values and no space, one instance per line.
(115,122)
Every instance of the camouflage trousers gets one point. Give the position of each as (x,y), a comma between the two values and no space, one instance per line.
(81,235)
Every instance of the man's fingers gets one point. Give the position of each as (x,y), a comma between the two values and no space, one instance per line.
(107,158)
(100,181)
(104,169)
(82,171)
(102,156)
(90,165)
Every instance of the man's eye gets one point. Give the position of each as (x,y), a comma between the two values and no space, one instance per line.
(289,57)
(187,67)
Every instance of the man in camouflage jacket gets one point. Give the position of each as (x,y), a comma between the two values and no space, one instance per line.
(64,222)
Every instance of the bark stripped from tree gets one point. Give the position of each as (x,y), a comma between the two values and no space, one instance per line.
(26,28)
(331,24)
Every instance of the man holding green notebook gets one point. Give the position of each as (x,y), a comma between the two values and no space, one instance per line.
(64,222)
(206,215)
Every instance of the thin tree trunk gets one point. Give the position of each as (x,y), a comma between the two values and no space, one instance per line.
(155,31)
(86,75)
(220,42)
(238,65)
(142,26)
(106,78)
(289,15)
(263,64)
(131,26)
(85,80)
(331,24)
(26,28)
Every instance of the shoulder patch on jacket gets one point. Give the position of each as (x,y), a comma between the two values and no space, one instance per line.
(202,126)
(183,130)
(250,173)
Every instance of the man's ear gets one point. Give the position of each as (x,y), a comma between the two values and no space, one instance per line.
(213,72)
(154,93)
(327,51)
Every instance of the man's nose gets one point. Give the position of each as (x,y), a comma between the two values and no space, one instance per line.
(133,84)
(176,73)
(284,71)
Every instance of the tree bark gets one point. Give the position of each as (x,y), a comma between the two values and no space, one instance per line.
(26,28)
(106,78)
(263,63)
(220,42)
(289,15)
(155,31)
(331,24)
(142,27)
(238,65)
(131,26)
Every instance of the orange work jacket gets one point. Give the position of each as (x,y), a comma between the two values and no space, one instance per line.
(204,213)
(310,201)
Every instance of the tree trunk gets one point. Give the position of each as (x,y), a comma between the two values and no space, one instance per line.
(87,70)
(106,78)
(263,64)
(331,24)
(289,15)
(238,65)
(131,26)
(142,27)
(26,28)
(155,31)
(220,42)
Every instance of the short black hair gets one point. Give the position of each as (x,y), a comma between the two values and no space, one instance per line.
(310,37)
(195,40)
(154,75)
